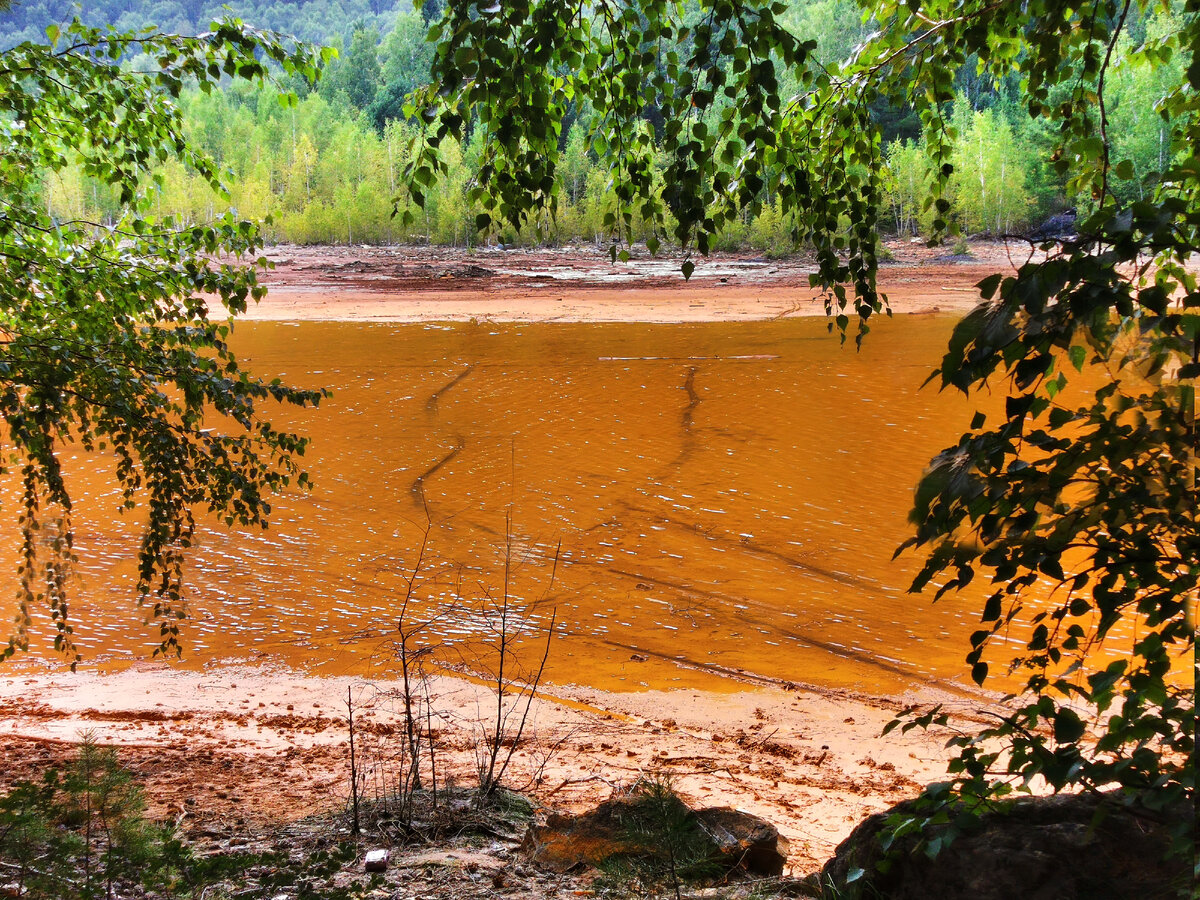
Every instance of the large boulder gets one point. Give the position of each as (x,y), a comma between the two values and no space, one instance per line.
(563,842)
(1066,847)
(1060,227)
(744,841)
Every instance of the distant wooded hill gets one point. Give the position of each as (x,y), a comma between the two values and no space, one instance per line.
(320,21)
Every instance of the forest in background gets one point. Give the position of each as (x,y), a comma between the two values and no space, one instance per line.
(330,169)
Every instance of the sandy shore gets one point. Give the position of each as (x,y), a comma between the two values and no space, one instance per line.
(581,284)
(261,745)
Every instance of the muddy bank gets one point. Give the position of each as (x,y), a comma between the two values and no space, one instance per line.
(579,283)
(257,746)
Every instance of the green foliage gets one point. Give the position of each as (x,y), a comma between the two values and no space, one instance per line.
(39,853)
(109,343)
(999,185)
(356,72)
(905,176)
(1002,182)
(713,82)
(837,26)
(1140,133)
(988,184)
(319,21)
(83,834)
(404,57)
(1078,504)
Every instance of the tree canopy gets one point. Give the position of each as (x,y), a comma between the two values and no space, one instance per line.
(1078,504)
(112,335)
(325,170)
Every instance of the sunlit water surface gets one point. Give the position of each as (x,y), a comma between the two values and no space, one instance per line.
(686,501)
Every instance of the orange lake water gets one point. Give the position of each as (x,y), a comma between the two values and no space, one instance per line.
(712,499)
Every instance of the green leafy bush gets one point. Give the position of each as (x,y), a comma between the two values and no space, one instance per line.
(82,833)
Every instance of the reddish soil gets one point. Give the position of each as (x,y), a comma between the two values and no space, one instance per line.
(243,748)
(581,284)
